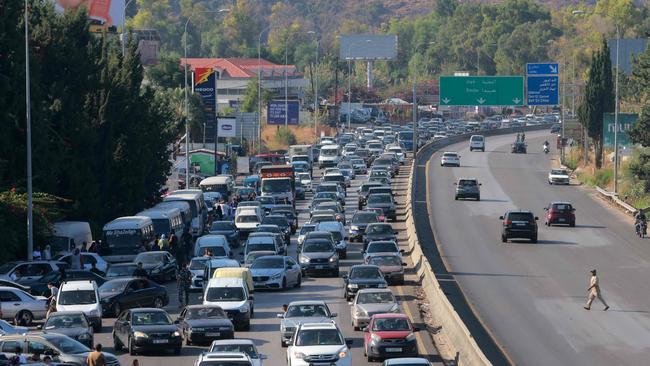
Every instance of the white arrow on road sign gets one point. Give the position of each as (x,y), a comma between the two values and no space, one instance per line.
(446,100)
(553,69)
(516,100)
(480,100)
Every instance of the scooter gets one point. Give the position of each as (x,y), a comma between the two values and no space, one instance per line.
(641,228)
(546,150)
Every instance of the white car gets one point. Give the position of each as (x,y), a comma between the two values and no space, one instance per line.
(275,272)
(304,229)
(399,152)
(245,346)
(305,180)
(21,306)
(88,259)
(232,295)
(558,176)
(81,295)
(477,142)
(319,344)
(407,361)
(450,158)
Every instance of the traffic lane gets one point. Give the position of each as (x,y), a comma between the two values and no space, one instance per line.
(531,296)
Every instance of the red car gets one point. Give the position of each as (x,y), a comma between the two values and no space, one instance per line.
(389,335)
(560,213)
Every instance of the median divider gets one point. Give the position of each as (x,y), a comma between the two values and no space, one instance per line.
(471,341)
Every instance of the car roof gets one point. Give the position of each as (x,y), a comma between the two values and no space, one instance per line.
(407,361)
(148,310)
(233,341)
(308,302)
(373,290)
(390,315)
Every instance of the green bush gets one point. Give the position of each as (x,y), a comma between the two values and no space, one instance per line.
(285,137)
(601,178)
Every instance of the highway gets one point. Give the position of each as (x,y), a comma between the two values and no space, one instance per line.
(265,328)
(531,296)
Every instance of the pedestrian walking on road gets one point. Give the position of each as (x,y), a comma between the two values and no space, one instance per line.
(96,357)
(135,362)
(51,305)
(184,283)
(594,291)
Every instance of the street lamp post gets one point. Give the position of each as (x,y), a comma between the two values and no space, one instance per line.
(187,108)
(259,88)
(28,119)
(616,108)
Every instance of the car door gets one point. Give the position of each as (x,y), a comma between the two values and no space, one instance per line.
(9,348)
(130,296)
(38,347)
(121,327)
(293,270)
(11,304)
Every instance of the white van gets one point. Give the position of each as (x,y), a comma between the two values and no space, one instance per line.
(233,296)
(68,234)
(222,184)
(197,205)
(217,243)
(477,142)
(247,221)
(330,155)
(258,210)
(82,296)
(124,237)
(165,220)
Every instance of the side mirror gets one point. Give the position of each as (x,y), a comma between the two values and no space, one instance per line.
(536,218)
(545,208)
(401,250)
(500,217)
(345,277)
(334,315)
(177,321)
(349,342)
(263,357)
(350,303)
(404,264)
(251,297)
(279,316)
(39,327)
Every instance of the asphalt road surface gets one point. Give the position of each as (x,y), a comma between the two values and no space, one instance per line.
(531,296)
(265,327)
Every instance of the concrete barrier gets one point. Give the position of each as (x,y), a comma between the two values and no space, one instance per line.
(442,309)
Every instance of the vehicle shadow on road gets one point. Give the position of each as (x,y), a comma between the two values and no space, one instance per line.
(544,242)
(590,227)
(492,200)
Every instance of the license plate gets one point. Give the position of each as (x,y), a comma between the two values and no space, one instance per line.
(213,334)
(393,350)
(259,283)
(520,224)
(561,220)
(320,267)
(160,341)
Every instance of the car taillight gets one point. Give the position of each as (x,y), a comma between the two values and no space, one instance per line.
(507,222)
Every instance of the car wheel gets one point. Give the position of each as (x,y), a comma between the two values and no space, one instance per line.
(116,344)
(188,341)
(573,224)
(132,351)
(336,273)
(299,282)
(478,198)
(533,239)
(504,239)
(177,351)
(283,343)
(97,327)
(158,302)
(456,198)
(25,318)
(284,283)
(247,326)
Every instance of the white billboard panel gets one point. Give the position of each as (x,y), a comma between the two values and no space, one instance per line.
(368,47)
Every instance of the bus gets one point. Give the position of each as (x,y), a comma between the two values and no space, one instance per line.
(199,211)
(125,237)
(222,184)
(165,220)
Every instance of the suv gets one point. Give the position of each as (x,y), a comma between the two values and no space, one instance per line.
(319,344)
(477,142)
(468,188)
(319,255)
(360,221)
(81,296)
(519,224)
(378,231)
(223,359)
(298,312)
(362,276)
(385,202)
(233,296)
(560,213)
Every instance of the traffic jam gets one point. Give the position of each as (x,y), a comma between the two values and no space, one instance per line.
(300,218)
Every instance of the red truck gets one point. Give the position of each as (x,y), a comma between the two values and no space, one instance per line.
(279,181)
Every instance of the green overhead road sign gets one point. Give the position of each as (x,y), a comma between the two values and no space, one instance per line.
(482,90)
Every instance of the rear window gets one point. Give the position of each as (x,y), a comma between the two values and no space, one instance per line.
(520,216)
(477,138)
(467,183)
(450,155)
(562,206)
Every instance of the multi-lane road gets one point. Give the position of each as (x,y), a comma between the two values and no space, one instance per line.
(531,296)
(265,327)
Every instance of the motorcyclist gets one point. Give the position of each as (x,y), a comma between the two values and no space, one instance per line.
(640,219)
(523,136)
(545,148)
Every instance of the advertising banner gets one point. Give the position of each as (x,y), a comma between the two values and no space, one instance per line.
(227,127)
(276,112)
(625,122)
(204,83)
(103,14)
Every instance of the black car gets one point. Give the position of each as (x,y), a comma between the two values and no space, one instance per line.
(289,213)
(362,276)
(361,220)
(118,270)
(518,147)
(227,229)
(126,293)
(378,231)
(39,288)
(74,324)
(204,323)
(519,225)
(363,192)
(275,229)
(281,221)
(146,329)
(385,202)
(161,266)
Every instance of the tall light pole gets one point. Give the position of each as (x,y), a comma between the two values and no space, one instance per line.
(187,108)
(616,108)
(315,75)
(259,88)
(124,27)
(28,119)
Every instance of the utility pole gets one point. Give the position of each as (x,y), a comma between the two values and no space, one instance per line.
(618,36)
(28,118)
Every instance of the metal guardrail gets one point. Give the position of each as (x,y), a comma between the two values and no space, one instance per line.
(611,196)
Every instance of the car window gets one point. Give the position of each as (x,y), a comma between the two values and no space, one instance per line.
(319,337)
(9,296)
(386,261)
(379,229)
(37,347)
(562,206)
(381,247)
(316,247)
(365,272)
(12,346)
(391,324)
(520,216)
(151,318)
(467,183)
(305,311)
(375,298)
(89,259)
(379,198)
(248,349)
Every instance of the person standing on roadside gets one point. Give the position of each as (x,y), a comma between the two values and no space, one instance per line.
(173,244)
(594,291)
(75,259)
(96,357)
(184,283)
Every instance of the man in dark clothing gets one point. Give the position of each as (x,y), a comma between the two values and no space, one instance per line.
(139,271)
(187,242)
(173,244)
(184,283)
(217,212)
(96,270)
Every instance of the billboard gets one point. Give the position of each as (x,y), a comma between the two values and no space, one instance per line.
(227,127)
(276,114)
(103,14)
(368,47)
(204,83)
(625,122)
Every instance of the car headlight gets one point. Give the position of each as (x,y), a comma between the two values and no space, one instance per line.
(243,309)
(343,354)
(276,276)
(176,334)
(84,336)
(94,312)
(334,258)
(354,228)
(410,337)
(304,259)
(375,338)
(353,285)
(299,355)
(395,309)
(140,335)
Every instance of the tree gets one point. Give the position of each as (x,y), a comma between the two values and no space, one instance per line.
(250,103)
(599,98)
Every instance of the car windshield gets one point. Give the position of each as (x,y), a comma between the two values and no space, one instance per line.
(334,178)
(319,337)
(307,229)
(450,155)
(65,321)
(364,218)
(247,218)
(149,258)
(150,318)
(205,313)
(67,345)
(198,264)
(381,247)
(379,173)
(265,263)
(279,185)
(280,221)
(318,246)
(248,349)
(222,226)
(217,250)
(391,324)
(379,198)
(365,273)
(266,200)
(467,183)
(386,261)
(303,176)
(306,311)
(383,297)
(379,229)
(225,294)
(520,216)
(268,229)
(113,287)
(558,172)
(327,188)
(77,297)
(117,271)
(562,206)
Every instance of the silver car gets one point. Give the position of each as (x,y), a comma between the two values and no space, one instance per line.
(19,305)
(297,312)
(369,302)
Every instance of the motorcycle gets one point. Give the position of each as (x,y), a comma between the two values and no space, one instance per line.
(641,228)
(546,150)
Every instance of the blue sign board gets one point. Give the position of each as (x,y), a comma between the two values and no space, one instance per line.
(543,90)
(276,112)
(552,68)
